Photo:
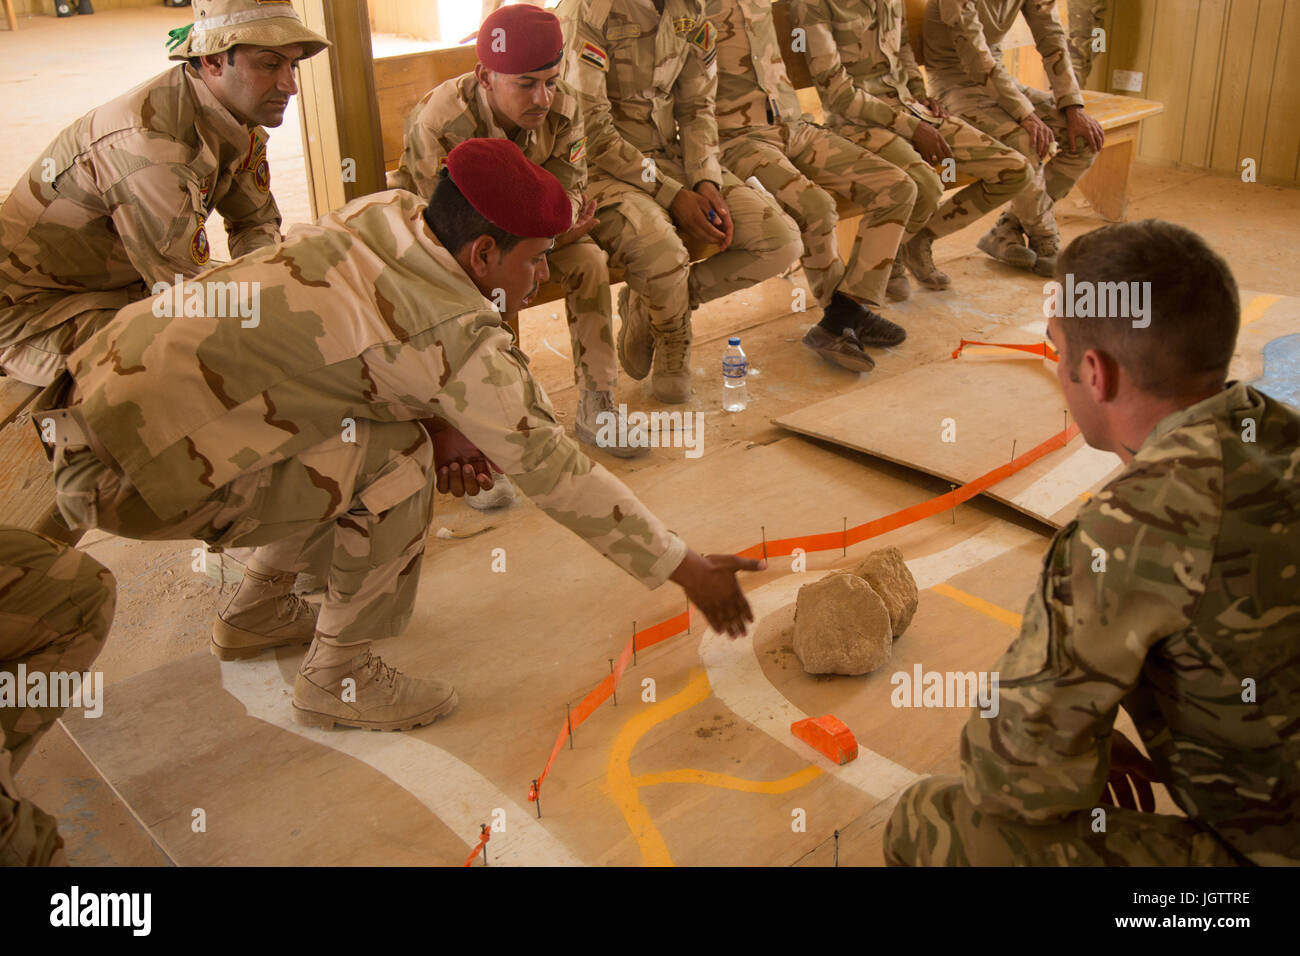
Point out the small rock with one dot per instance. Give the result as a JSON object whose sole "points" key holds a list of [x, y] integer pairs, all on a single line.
{"points": [[888, 576], [841, 626]]}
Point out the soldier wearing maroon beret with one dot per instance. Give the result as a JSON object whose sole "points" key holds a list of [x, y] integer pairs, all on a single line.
{"points": [[378, 369], [515, 94]]}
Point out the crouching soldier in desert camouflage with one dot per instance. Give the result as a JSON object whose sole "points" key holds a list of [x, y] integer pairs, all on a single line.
{"points": [[56, 605], [308, 424], [515, 93], [117, 203], [1173, 594]]}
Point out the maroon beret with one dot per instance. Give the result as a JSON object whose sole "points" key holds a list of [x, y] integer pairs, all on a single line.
{"points": [[520, 39], [509, 190]]}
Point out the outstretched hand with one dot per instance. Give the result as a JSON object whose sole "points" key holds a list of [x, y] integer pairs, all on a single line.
{"points": [[710, 583]]}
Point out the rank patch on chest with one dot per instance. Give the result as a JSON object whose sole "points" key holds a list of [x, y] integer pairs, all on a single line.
{"points": [[578, 150], [199, 250], [627, 31], [594, 56], [683, 24], [706, 38]]}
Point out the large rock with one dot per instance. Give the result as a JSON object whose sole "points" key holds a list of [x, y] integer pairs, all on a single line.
{"points": [[888, 576], [841, 626]]}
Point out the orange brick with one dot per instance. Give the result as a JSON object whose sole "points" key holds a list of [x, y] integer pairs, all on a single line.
{"points": [[828, 736]]}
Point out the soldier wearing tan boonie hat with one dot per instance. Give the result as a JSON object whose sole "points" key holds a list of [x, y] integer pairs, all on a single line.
{"points": [[117, 205], [221, 24]]}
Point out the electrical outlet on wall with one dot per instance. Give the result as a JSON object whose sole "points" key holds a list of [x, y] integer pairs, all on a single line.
{"points": [[1130, 81]]}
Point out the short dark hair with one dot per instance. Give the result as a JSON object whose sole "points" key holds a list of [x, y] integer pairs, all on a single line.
{"points": [[1194, 313], [456, 223]]}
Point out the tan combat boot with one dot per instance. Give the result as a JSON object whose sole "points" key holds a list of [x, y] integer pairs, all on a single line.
{"points": [[1046, 248], [375, 697], [1006, 243], [263, 613], [672, 367], [898, 288], [601, 424], [916, 255], [635, 343]]}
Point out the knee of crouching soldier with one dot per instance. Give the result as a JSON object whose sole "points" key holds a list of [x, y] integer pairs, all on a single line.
{"points": [[817, 212], [928, 188]]}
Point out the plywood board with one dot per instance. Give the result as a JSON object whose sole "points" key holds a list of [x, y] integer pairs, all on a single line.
{"points": [[196, 734], [961, 419]]}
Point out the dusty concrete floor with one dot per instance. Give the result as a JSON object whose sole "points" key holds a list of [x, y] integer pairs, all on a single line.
{"points": [[164, 610]]}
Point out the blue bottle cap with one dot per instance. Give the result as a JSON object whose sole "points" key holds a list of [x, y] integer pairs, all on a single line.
{"points": [[734, 340]]}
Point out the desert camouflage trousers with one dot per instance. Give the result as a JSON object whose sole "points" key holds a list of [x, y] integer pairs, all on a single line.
{"points": [[56, 606], [1000, 173], [1085, 16], [641, 239], [583, 273], [806, 167], [39, 333], [935, 824], [1051, 180], [373, 495]]}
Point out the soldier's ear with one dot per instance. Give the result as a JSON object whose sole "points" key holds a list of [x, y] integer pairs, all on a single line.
{"points": [[484, 76], [483, 256]]}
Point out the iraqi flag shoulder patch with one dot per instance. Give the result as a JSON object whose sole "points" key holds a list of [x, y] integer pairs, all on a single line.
{"points": [[706, 38], [595, 56]]}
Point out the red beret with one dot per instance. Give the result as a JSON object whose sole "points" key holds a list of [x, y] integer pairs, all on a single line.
{"points": [[508, 190], [520, 39]]}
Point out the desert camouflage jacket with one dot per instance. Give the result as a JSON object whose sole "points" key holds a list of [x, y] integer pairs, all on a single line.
{"points": [[753, 88], [647, 84], [119, 199], [963, 46], [457, 110], [858, 51], [363, 315], [1176, 594]]}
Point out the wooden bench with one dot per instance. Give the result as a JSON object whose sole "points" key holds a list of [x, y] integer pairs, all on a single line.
{"points": [[401, 81]]}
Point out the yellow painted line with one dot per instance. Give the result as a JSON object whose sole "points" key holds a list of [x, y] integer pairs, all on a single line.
{"points": [[978, 604], [711, 779], [621, 786], [1256, 308]]}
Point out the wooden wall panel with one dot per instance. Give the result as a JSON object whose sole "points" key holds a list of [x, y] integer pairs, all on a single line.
{"points": [[1228, 72]]}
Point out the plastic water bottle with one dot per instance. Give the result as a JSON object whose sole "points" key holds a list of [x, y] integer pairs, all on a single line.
{"points": [[734, 368]]}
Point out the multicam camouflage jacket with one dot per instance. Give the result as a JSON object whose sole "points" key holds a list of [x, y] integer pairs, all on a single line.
{"points": [[753, 87], [457, 110], [858, 52], [119, 199], [363, 315], [1175, 593], [647, 83], [963, 47]]}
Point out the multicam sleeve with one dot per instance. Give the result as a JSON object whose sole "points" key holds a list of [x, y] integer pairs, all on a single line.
{"points": [[1116, 582], [840, 93], [963, 22], [158, 212], [491, 397], [1051, 42], [694, 102], [587, 63]]}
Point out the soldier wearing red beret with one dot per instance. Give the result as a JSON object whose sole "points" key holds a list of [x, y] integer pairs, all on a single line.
{"points": [[379, 369]]}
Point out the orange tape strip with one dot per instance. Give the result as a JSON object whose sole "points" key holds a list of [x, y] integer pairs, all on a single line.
{"points": [[819, 542]]}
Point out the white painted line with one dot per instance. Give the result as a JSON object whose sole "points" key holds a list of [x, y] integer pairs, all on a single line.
{"points": [[452, 790], [1077, 473], [738, 680]]}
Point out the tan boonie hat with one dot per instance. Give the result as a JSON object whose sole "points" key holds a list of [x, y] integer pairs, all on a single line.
{"points": [[220, 24]]}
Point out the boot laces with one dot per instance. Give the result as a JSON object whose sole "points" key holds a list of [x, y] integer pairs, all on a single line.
{"points": [[675, 347], [294, 605], [921, 250], [382, 672]]}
